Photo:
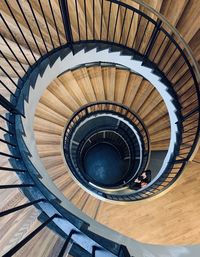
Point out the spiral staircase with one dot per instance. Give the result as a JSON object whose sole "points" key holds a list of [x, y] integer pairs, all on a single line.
{"points": [[80, 75]]}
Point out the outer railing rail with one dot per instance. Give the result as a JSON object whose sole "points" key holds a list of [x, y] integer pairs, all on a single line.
{"points": [[20, 54], [161, 47], [112, 22], [119, 24]]}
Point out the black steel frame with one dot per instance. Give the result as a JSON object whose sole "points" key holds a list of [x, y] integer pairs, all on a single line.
{"points": [[160, 28], [189, 118], [104, 107]]}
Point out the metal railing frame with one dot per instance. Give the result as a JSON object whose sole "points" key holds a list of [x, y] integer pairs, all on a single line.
{"points": [[177, 165], [98, 108]]}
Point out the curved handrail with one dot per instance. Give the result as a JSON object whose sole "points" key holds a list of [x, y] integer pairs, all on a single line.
{"points": [[107, 30], [192, 64], [11, 104], [160, 25], [106, 106], [175, 32]]}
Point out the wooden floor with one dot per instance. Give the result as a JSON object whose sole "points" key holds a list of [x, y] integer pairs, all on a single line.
{"points": [[170, 219], [16, 226]]}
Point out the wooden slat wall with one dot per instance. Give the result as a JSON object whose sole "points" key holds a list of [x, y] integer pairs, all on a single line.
{"points": [[17, 227], [13, 228], [48, 242]]}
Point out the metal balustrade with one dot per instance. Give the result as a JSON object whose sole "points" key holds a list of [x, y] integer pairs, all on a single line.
{"points": [[73, 151], [155, 40]]}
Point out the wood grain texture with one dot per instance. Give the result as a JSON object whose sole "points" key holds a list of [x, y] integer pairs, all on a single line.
{"points": [[48, 242], [173, 218], [75, 88], [13, 228]]}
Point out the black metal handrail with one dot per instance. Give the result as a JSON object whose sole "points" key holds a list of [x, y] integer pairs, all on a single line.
{"points": [[154, 39], [106, 107], [159, 44], [158, 48], [111, 107]]}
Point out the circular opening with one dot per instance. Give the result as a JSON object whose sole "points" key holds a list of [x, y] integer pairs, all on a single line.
{"points": [[103, 163], [104, 147]]}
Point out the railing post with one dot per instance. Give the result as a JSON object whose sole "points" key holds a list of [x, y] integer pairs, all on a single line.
{"points": [[196, 110], [153, 38], [123, 252], [62, 252], [8, 106], [16, 186], [24, 241], [66, 22], [23, 206]]}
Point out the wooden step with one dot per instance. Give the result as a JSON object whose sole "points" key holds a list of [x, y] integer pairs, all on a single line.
{"points": [[77, 197], [158, 115], [82, 201], [49, 161], [46, 8], [132, 89], [61, 92], [46, 113], [173, 10], [10, 83], [109, 75], [142, 95], [85, 18], [154, 99], [95, 74], [12, 68], [121, 81], [50, 99], [82, 77], [57, 171], [161, 145], [7, 178], [71, 190], [72, 86], [54, 40], [11, 198], [49, 150], [130, 24], [63, 183], [16, 51], [91, 207], [47, 126], [26, 42], [187, 26], [46, 138]]}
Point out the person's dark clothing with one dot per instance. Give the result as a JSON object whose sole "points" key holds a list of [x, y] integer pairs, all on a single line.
{"points": [[148, 178], [137, 185]]}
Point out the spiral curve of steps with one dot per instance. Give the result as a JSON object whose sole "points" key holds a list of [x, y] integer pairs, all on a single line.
{"points": [[40, 83], [72, 80]]}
